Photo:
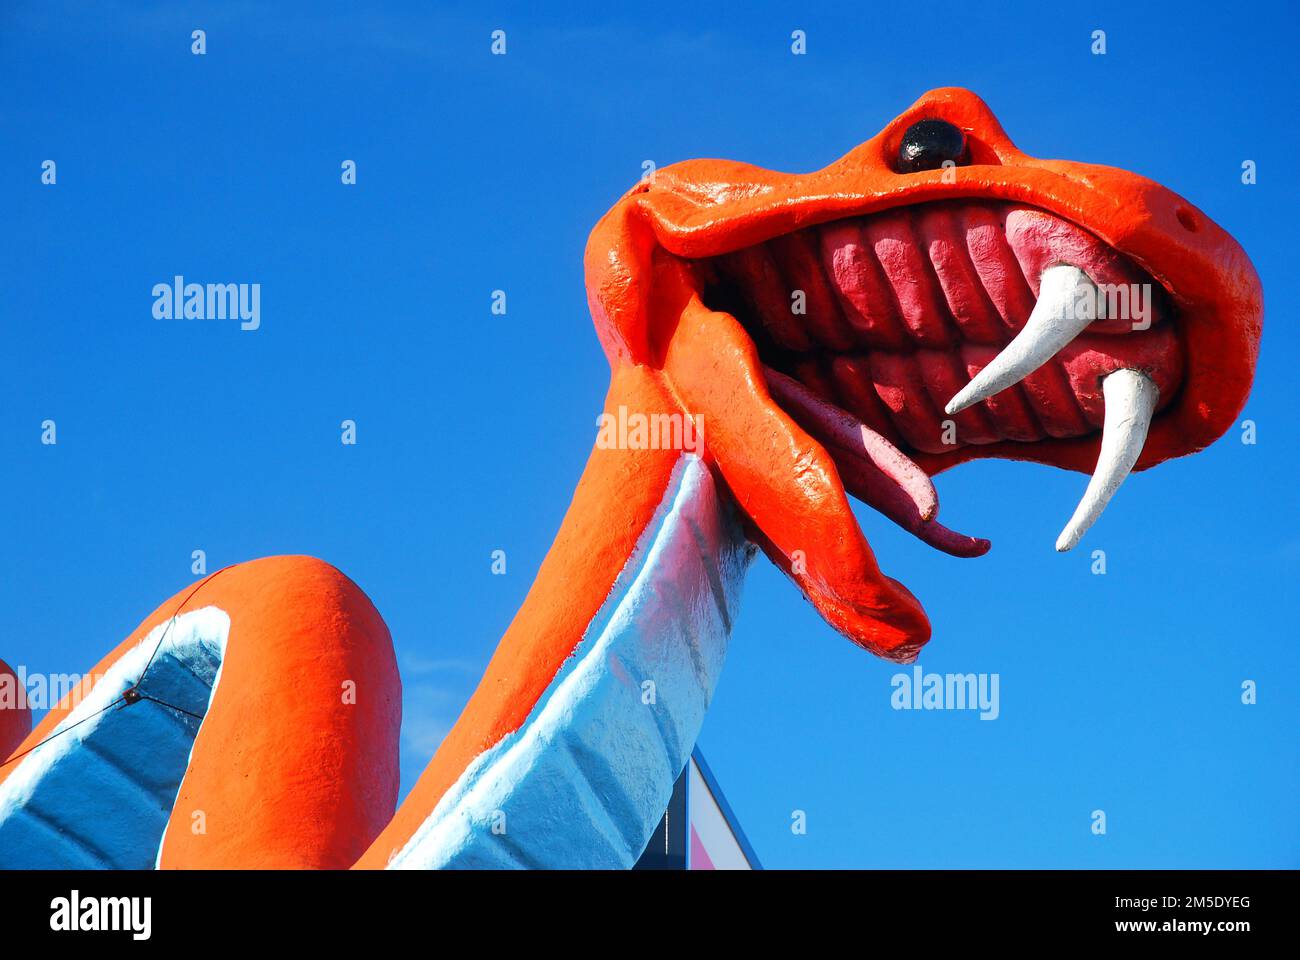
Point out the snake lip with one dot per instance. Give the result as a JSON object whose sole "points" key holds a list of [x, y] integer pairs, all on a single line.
{"points": [[670, 259]]}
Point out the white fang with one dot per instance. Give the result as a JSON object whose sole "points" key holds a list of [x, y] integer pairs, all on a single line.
{"points": [[1067, 302], [1131, 398]]}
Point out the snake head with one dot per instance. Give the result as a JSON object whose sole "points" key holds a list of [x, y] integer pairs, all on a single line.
{"points": [[933, 296]]}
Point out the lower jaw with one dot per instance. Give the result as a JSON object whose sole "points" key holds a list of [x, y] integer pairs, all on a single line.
{"points": [[902, 394]]}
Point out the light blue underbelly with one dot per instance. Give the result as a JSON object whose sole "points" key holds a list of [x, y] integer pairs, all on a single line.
{"points": [[100, 792], [586, 779]]}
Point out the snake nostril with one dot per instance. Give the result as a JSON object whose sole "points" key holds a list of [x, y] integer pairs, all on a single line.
{"points": [[929, 144], [1187, 219]]}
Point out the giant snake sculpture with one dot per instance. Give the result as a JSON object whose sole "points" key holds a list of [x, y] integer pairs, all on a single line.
{"points": [[932, 297]]}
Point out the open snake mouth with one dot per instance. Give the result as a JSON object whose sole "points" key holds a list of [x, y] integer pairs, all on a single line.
{"points": [[934, 296], [939, 325]]}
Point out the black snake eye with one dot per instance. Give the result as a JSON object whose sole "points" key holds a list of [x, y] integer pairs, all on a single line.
{"points": [[929, 144]]}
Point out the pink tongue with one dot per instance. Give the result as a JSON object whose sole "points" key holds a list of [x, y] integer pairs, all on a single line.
{"points": [[861, 479], [854, 436], [873, 469]]}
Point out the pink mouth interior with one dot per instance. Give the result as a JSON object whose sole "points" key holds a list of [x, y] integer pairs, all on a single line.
{"points": [[902, 308], [905, 306]]}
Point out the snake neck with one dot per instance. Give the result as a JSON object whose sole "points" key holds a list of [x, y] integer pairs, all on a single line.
{"points": [[567, 751]]}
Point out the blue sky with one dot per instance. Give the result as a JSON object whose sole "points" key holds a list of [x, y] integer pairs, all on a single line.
{"points": [[1118, 692]]}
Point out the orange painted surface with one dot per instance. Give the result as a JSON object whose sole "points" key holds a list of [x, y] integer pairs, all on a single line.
{"points": [[788, 486], [615, 500], [702, 208], [668, 352], [647, 312], [286, 773]]}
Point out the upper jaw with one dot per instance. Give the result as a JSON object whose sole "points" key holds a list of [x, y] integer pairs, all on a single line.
{"points": [[647, 310], [703, 208]]}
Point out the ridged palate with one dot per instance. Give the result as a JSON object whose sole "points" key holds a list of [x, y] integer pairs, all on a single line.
{"points": [[903, 307]]}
